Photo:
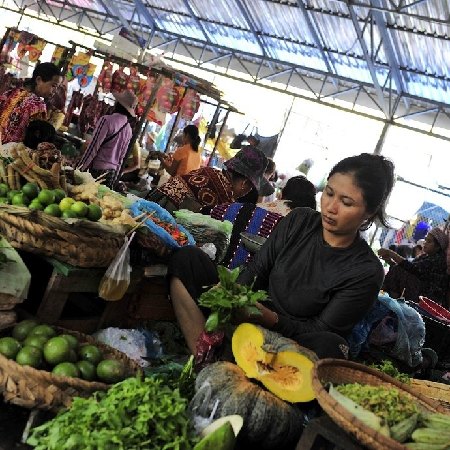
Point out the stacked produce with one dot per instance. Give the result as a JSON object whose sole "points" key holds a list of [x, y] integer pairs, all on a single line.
{"points": [[51, 201], [395, 415], [41, 167], [41, 347]]}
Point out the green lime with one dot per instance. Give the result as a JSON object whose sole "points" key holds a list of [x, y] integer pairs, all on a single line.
{"points": [[66, 369], [80, 209], [23, 329], [68, 214], [110, 371], [20, 200], [29, 356], [43, 330], [94, 213], [90, 353], [3, 189], [9, 347], [12, 193], [66, 203], [59, 195], [36, 205], [72, 340], [53, 210], [31, 190], [56, 350], [46, 197], [87, 370], [36, 341]]}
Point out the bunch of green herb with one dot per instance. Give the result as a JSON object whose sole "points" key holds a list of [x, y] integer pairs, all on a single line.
{"points": [[390, 405], [388, 368], [228, 296], [134, 414]]}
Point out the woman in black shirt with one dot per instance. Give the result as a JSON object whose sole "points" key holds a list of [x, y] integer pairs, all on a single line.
{"points": [[320, 275]]}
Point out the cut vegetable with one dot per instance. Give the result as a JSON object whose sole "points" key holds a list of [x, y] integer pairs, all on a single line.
{"points": [[236, 422]]}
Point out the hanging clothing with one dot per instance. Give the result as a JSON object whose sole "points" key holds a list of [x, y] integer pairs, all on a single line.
{"points": [[18, 107], [268, 145], [189, 159], [203, 187]]}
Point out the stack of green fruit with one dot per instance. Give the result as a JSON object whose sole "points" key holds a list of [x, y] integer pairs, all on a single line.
{"points": [[52, 201], [433, 434], [40, 346]]}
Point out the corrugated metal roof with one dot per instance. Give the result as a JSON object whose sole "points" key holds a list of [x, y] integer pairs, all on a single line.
{"points": [[322, 35]]}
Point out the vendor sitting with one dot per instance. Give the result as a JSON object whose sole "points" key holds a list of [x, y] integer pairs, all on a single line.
{"points": [[425, 275], [320, 275], [208, 187], [37, 131]]}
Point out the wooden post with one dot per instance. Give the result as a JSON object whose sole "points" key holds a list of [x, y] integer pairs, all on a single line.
{"points": [[175, 124], [213, 153]]}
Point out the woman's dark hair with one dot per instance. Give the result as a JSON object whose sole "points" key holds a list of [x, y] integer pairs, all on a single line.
{"points": [[270, 166], [118, 108], [374, 175], [38, 131], [44, 70], [299, 192], [191, 131]]}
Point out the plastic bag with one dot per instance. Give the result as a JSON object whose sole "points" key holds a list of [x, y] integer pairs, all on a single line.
{"points": [[131, 342], [210, 250], [116, 280]]}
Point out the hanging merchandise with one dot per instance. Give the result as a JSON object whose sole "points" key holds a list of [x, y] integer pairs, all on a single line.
{"points": [[190, 105], [167, 96], [85, 79], [105, 78], [59, 55], [78, 66], [11, 41], [145, 91], [134, 80], [35, 49], [119, 80], [180, 90], [25, 40]]}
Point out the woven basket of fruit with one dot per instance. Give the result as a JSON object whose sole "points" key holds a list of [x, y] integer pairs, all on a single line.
{"points": [[44, 367], [379, 411], [81, 243]]}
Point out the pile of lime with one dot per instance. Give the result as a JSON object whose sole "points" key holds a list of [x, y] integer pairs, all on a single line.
{"points": [[52, 201], [39, 346]]}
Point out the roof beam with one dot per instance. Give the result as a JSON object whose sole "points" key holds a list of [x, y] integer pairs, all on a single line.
{"points": [[315, 32], [390, 53], [370, 63], [198, 22], [251, 26]]}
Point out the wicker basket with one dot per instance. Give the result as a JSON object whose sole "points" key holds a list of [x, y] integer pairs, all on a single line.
{"points": [[437, 391], [153, 244], [341, 371], [31, 388], [81, 243]]}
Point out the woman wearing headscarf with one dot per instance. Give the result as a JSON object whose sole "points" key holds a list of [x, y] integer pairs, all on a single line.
{"points": [[204, 188], [426, 275]]}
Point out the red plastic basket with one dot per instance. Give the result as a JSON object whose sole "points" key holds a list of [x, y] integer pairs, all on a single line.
{"points": [[436, 310]]}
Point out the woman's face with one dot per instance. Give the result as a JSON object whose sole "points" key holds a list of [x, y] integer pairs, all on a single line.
{"points": [[343, 207], [430, 247], [46, 89]]}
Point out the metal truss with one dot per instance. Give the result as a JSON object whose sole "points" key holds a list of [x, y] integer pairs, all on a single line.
{"points": [[389, 100]]}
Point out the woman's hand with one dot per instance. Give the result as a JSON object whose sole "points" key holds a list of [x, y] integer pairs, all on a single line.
{"points": [[389, 256], [266, 318]]}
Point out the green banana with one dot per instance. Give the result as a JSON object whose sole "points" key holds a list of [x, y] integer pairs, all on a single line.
{"points": [[431, 436], [402, 431]]}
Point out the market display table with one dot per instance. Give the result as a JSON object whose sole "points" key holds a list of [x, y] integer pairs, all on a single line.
{"points": [[65, 280]]}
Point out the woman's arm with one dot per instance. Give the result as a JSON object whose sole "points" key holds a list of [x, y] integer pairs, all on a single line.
{"points": [[390, 256], [168, 163]]}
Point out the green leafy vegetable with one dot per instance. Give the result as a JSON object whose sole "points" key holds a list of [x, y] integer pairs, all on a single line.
{"points": [[228, 296], [134, 414], [388, 368], [390, 405]]}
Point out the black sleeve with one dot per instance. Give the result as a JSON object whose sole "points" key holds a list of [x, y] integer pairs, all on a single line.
{"points": [[260, 266], [346, 308], [432, 269]]}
